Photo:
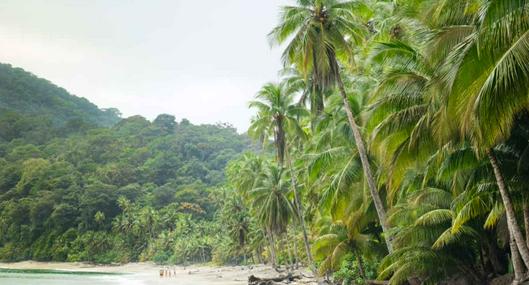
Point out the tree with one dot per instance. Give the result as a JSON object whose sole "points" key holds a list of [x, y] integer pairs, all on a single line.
{"points": [[322, 34], [272, 205], [489, 83], [276, 114]]}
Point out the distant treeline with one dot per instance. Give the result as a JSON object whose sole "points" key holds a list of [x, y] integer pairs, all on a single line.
{"points": [[139, 190]]}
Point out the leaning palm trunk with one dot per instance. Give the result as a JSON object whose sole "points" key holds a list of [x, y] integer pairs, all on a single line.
{"points": [[299, 210], [516, 261], [526, 221], [379, 206], [514, 228]]}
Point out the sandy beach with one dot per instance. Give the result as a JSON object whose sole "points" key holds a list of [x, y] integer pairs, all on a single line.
{"points": [[147, 273]]}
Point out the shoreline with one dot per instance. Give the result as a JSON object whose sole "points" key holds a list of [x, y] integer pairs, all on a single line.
{"points": [[148, 273]]}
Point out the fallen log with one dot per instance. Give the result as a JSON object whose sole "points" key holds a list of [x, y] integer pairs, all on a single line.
{"points": [[254, 280]]}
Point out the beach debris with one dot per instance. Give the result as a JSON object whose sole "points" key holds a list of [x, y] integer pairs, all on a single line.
{"points": [[253, 280]]}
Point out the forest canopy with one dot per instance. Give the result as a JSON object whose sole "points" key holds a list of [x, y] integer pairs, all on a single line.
{"points": [[74, 190], [38, 99]]}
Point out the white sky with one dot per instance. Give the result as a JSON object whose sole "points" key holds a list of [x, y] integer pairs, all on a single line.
{"points": [[201, 60]]}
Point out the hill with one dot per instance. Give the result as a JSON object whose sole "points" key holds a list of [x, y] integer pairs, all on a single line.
{"points": [[72, 190], [24, 93]]}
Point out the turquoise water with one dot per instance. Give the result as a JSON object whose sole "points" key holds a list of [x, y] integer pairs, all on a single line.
{"points": [[55, 277]]}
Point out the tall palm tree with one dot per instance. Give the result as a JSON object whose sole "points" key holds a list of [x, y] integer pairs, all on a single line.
{"points": [[489, 86], [322, 33], [277, 115]]}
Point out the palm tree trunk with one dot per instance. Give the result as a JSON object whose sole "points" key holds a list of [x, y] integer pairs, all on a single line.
{"points": [[361, 268], [492, 252], [509, 209], [286, 248], [273, 258], [296, 257], [280, 140], [377, 201], [299, 210], [526, 221], [516, 261]]}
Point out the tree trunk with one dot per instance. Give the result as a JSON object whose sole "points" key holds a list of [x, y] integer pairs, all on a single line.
{"points": [[361, 268], [296, 257], [509, 209], [492, 253], [258, 255], [299, 210], [280, 140], [271, 241], [245, 258], [286, 248], [526, 221], [377, 201], [516, 261]]}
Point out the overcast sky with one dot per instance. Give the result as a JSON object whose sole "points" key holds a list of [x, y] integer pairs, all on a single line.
{"points": [[201, 60]]}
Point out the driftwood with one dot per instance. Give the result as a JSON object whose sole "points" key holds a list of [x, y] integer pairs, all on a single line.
{"points": [[253, 280]]}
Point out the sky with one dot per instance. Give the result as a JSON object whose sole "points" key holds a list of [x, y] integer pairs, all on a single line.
{"points": [[200, 60]]}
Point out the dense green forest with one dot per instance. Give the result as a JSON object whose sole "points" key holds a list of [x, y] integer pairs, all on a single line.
{"points": [[394, 146], [139, 190]]}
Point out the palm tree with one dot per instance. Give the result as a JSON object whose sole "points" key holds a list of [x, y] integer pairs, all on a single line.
{"points": [[404, 105], [271, 202], [322, 32], [313, 95], [244, 173], [277, 115], [489, 86], [340, 237]]}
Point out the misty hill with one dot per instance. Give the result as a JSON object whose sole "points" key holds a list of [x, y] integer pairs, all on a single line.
{"points": [[24, 93]]}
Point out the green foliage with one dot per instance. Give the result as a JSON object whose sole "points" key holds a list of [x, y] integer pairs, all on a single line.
{"points": [[29, 106], [349, 273], [432, 85], [111, 194]]}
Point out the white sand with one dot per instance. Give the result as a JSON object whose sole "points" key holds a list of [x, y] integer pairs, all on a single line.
{"points": [[148, 273]]}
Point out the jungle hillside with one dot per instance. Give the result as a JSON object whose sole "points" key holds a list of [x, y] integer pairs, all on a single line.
{"points": [[81, 184]]}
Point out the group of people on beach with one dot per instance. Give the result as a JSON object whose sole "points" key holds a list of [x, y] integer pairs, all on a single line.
{"points": [[167, 272]]}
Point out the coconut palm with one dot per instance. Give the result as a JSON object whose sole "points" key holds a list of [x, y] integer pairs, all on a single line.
{"points": [[276, 114], [272, 204], [322, 34], [489, 86], [340, 237], [244, 173]]}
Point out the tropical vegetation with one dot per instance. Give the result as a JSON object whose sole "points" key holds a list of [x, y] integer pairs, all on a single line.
{"points": [[394, 145], [409, 161]]}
